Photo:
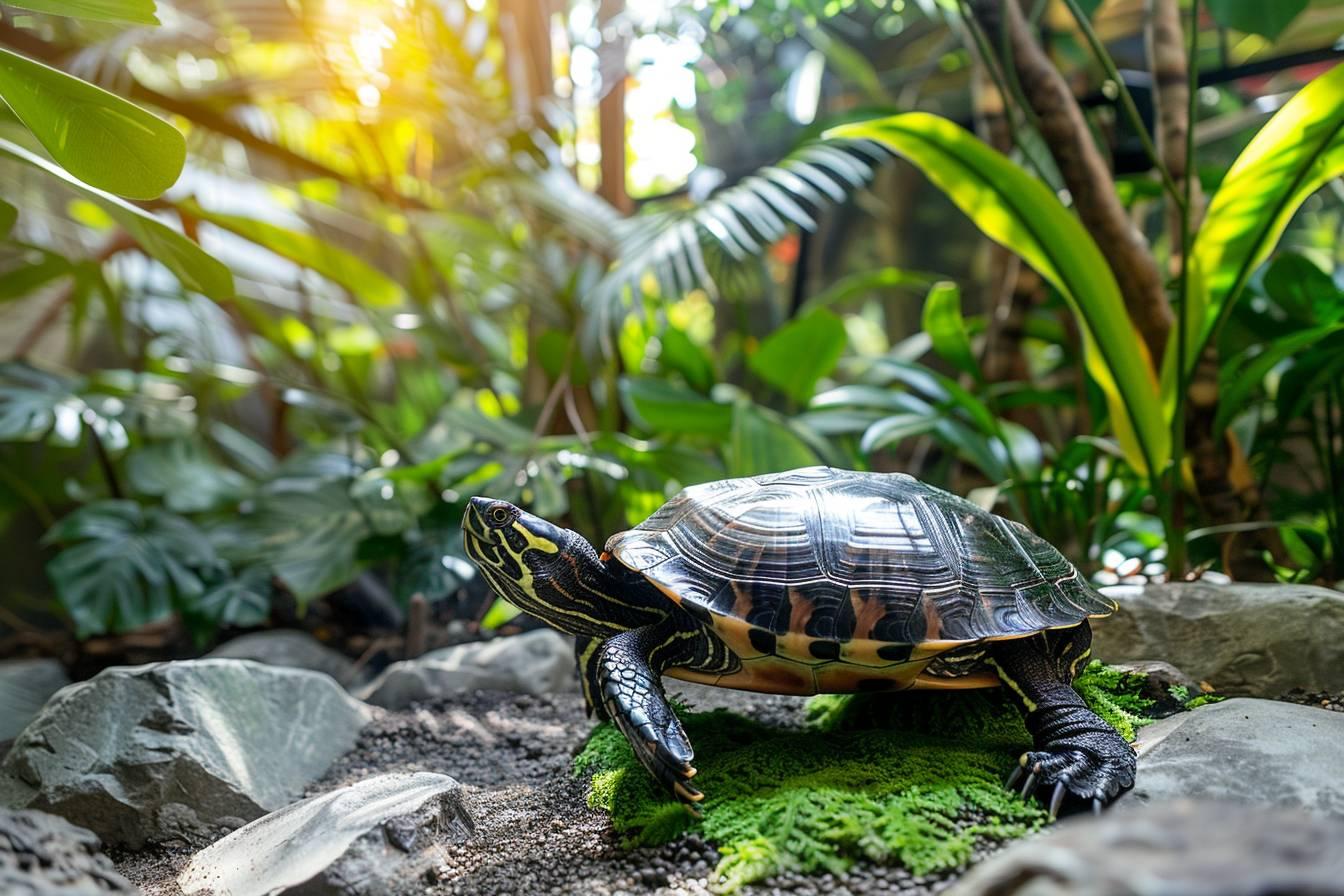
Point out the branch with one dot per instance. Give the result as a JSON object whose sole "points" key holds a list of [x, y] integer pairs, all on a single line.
{"points": [[1084, 171], [1171, 96]]}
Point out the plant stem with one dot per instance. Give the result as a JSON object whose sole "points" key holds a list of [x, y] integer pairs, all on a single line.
{"points": [[1126, 101], [104, 461], [1330, 459], [1175, 522]]}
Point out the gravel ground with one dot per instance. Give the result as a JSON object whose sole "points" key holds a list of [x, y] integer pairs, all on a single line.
{"points": [[535, 833], [1332, 702]]}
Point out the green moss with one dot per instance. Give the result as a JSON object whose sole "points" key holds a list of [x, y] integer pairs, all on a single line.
{"points": [[1203, 700], [914, 779], [1114, 695]]}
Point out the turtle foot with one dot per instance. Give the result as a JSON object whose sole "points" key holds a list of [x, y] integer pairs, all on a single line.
{"points": [[1089, 771], [655, 733]]}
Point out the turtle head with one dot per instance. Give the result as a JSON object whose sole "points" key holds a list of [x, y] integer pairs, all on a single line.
{"points": [[552, 573]]}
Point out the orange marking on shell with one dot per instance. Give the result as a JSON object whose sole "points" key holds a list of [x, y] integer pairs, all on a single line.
{"points": [[742, 601], [801, 613], [933, 622], [868, 612]]}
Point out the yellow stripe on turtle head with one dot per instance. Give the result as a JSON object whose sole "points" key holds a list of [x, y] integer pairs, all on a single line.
{"points": [[534, 541]]}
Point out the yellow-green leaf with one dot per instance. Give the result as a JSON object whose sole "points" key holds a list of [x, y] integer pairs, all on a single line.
{"points": [[1297, 152], [1019, 212], [8, 216], [366, 283], [98, 137], [947, 328], [137, 12], [189, 262]]}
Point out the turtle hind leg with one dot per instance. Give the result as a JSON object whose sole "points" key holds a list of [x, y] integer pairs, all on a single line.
{"points": [[1077, 754], [627, 673]]}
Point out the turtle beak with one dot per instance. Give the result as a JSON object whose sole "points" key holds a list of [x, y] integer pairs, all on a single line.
{"points": [[473, 521]]}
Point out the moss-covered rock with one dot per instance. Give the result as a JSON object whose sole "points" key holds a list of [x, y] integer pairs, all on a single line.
{"points": [[914, 779]]}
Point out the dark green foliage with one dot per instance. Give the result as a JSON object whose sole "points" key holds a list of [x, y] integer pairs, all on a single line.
{"points": [[124, 565], [428, 299]]}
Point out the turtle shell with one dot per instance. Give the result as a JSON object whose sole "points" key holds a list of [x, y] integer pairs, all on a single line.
{"points": [[876, 570]]}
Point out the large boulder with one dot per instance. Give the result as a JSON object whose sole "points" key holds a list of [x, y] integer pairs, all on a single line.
{"points": [[374, 837], [42, 855], [1253, 640], [1250, 751], [290, 648], [1183, 848], [25, 686], [177, 750], [538, 662]]}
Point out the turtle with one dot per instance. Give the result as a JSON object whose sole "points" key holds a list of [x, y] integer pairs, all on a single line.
{"points": [[816, 580]]}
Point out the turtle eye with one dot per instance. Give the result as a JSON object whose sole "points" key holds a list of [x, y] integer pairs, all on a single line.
{"points": [[499, 514]]}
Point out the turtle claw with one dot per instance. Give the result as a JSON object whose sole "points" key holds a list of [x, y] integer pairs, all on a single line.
{"points": [[1056, 799], [1014, 777], [1030, 786], [1063, 774]]}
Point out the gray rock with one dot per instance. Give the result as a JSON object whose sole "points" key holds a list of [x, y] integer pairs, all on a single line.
{"points": [[287, 647], [25, 686], [537, 662], [1253, 640], [169, 750], [360, 839], [1184, 848], [1250, 751], [42, 855]]}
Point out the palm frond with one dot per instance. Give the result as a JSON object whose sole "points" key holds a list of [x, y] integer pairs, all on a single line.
{"points": [[742, 220]]}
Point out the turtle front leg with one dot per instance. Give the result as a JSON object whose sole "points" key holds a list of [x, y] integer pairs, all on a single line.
{"points": [[626, 673], [1077, 753]]}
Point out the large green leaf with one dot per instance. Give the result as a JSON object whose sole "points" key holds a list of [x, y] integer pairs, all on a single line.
{"points": [[123, 566], [365, 282], [37, 405], [667, 408], [183, 475], [97, 136], [241, 601], [1297, 152], [762, 442], [947, 328], [1266, 18], [1021, 213], [1306, 293], [306, 529], [137, 12], [189, 262], [798, 354]]}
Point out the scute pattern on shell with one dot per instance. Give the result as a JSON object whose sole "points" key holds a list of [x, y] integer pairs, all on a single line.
{"points": [[846, 556]]}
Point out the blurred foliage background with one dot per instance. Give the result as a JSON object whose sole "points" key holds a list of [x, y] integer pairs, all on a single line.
{"points": [[283, 282]]}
